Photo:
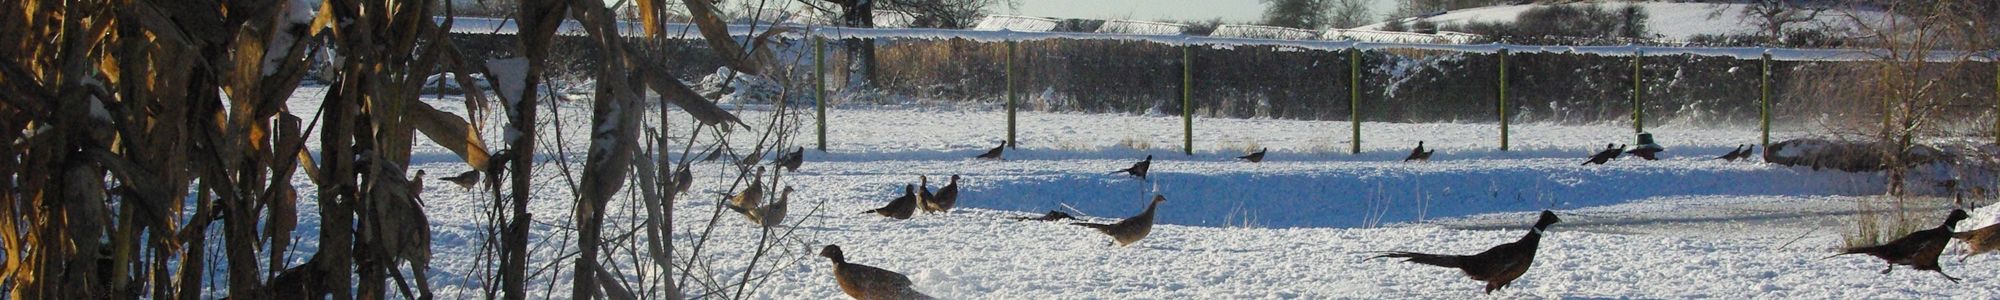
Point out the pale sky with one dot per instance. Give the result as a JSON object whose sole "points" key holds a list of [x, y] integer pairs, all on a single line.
{"points": [[1233, 11]]}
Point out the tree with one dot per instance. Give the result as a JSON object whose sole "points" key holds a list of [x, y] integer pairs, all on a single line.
{"points": [[1567, 23], [1632, 22], [945, 13], [1771, 16], [1412, 8], [1425, 26], [860, 52], [1308, 14], [1394, 24], [1349, 14], [1910, 78]]}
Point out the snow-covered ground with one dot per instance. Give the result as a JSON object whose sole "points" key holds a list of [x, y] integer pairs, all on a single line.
{"points": [[1299, 225], [1672, 20]]}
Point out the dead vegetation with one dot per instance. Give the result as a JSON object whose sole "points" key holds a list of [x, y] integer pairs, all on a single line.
{"points": [[140, 135]]}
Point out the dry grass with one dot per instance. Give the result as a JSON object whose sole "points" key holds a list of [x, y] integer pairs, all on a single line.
{"points": [[1136, 143], [1328, 144], [1240, 146], [1242, 218], [1066, 144], [1883, 218]]}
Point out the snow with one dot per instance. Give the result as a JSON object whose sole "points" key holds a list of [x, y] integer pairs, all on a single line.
{"points": [[511, 74], [1016, 23], [1219, 41], [1262, 32], [1019, 28], [1395, 37], [1454, 37], [894, 19], [883, 19], [480, 25], [1141, 27], [447, 82], [1670, 20], [298, 13], [740, 88], [1299, 225]]}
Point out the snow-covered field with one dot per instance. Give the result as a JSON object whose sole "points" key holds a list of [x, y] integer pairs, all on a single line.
{"points": [[1299, 225], [1671, 20]]}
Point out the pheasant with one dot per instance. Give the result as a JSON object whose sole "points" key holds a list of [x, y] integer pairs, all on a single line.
{"points": [[1604, 156], [1746, 153], [1919, 250], [398, 227], [1979, 241], [299, 282], [1051, 216], [466, 180], [1419, 154], [901, 207], [1731, 156], [865, 282], [417, 185], [1256, 156], [995, 153], [946, 198], [752, 195], [770, 215], [1498, 266], [791, 161], [713, 155], [683, 179], [1131, 229], [924, 195], [1138, 168]]}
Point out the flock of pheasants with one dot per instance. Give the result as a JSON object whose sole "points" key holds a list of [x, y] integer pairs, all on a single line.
{"points": [[1497, 266]]}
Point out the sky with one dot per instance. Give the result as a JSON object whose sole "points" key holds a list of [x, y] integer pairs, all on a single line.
{"points": [[1232, 11]]}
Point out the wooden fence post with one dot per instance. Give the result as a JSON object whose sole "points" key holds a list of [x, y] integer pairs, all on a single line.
{"points": [[1502, 100], [1187, 99], [1638, 94], [1354, 97], [1012, 104], [1764, 97], [819, 86]]}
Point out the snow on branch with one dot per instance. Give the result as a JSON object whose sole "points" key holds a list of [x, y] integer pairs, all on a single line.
{"points": [[1016, 23], [1141, 27]]}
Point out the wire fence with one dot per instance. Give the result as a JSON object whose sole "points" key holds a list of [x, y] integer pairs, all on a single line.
{"points": [[1225, 77]]}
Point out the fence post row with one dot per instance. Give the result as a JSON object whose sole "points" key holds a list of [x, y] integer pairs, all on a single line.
{"points": [[1187, 99], [1011, 97], [1354, 97], [1501, 101], [819, 86], [1764, 100], [1638, 92]]}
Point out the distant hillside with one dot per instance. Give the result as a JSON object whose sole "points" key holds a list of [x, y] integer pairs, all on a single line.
{"points": [[1676, 21]]}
